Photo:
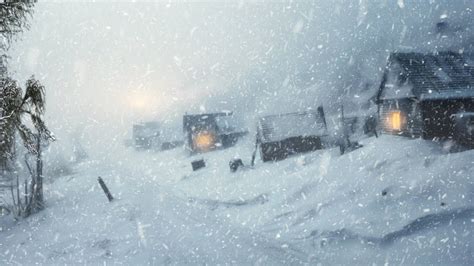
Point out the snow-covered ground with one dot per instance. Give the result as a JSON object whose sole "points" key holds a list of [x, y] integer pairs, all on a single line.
{"points": [[395, 200]]}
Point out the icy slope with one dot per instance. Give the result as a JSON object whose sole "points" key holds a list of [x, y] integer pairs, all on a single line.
{"points": [[399, 200], [394, 200]]}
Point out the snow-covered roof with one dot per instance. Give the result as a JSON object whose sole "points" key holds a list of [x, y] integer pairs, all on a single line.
{"points": [[430, 76], [202, 120], [283, 126], [223, 122]]}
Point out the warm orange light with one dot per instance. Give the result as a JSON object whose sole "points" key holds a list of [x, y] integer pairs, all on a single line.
{"points": [[138, 101], [141, 102], [204, 141], [396, 120]]}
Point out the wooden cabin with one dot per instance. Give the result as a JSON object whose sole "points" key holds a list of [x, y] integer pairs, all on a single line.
{"points": [[422, 94], [206, 132], [282, 135]]}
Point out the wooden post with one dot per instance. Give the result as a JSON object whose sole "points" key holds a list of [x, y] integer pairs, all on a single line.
{"points": [[105, 189], [254, 153]]}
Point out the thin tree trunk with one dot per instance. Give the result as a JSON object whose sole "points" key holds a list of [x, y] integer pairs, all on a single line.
{"points": [[18, 193], [39, 174], [26, 192]]}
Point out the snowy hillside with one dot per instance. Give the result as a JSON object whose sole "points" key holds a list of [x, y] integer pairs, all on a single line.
{"points": [[393, 201]]}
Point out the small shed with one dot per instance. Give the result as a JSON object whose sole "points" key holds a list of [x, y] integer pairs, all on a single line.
{"points": [[146, 135], [206, 132], [282, 135], [420, 95]]}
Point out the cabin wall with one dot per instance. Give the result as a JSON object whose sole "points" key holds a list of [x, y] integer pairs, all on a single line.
{"points": [[437, 116], [283, 135], [464, 128], [279, 150], [411, 119], [428, 119]]}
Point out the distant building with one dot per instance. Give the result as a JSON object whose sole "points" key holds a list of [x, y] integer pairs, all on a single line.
{"points": [[206, 132], [146, 135], [282, 135], [428, 95], [153, 135]]}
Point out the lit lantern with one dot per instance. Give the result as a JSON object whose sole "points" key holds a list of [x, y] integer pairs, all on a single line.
{"points": [[204, 141]]}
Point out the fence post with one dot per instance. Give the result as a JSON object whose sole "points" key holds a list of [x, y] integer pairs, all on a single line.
{"points": [[105, 189]]}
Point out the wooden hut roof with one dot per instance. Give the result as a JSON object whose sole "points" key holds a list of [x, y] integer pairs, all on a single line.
{"points": [[441, 75], [283, 126]]}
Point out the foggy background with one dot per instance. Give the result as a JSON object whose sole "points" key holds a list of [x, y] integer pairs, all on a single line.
{"points": [[108, 65]]}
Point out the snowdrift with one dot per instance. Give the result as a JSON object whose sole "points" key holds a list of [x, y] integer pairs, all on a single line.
{"points": [[395, 200]]}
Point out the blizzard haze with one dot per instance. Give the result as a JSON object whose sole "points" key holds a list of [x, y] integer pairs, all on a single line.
{"points": [[372, 187], [107, 65]]}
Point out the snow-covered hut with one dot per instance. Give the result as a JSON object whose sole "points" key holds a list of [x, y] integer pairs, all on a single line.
{"points": [[422, 95], [206, 132], [146, 135], [282, 135]]}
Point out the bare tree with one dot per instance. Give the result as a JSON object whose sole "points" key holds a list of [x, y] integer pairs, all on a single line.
{"points": [[13, 19], [19, 106], [10, 99], [15, 107]]}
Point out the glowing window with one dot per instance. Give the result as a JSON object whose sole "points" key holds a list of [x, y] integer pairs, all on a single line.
{"points": [[395, 120], [204, 141]]}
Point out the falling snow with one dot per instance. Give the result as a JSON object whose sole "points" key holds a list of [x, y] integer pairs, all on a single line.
{"points": [[363, 196]]}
